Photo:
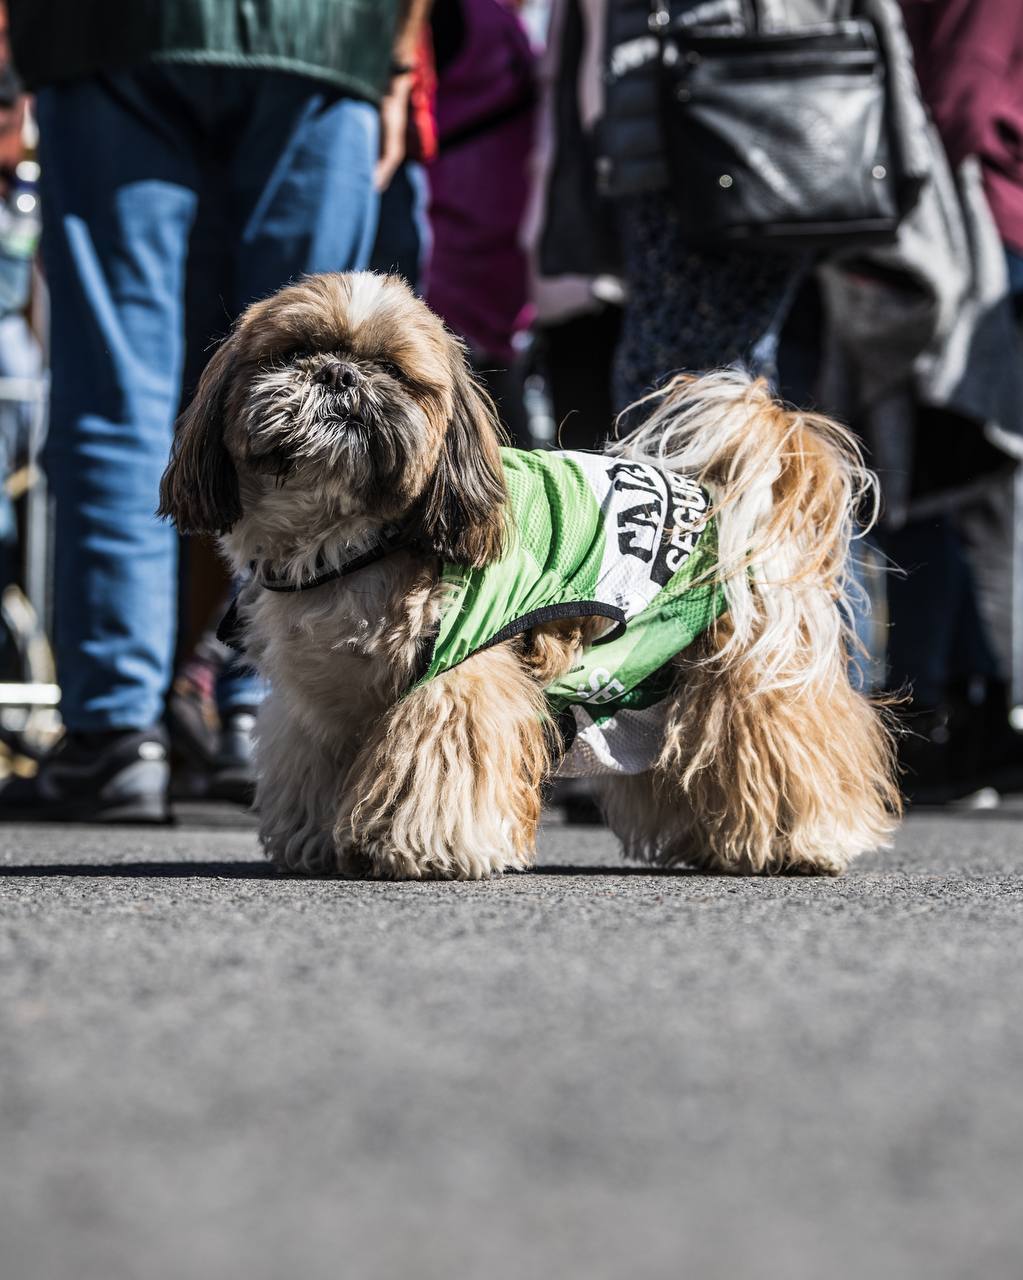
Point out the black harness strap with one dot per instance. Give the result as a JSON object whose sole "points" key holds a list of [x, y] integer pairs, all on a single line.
{"points": [[393, 539]]}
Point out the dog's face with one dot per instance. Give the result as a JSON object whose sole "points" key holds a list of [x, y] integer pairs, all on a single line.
{"points": [[340, 397]]}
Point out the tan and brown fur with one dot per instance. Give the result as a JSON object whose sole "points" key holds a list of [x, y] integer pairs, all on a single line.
{"points": [[771, 761]]}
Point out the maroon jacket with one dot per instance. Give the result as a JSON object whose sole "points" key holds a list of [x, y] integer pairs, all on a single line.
{"points": [[969, 56]]}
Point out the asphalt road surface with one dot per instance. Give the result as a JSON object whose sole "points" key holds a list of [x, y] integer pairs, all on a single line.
{"points": [[588, 1071]]}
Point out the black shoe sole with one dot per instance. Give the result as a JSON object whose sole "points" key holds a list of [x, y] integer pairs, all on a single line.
{"points": [[140, 811]]}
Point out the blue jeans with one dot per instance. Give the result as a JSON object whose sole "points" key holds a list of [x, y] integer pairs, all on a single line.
{"points": [[172, 197], [403, 233]]}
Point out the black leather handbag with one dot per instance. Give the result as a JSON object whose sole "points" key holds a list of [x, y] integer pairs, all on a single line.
{"points": [[783, 139]]}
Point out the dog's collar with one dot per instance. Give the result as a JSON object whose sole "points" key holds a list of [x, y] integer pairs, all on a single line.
{"points": [[392, 538]]}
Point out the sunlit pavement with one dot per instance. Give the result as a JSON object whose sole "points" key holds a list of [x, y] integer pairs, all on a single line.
{"points": [[209, 1072]]}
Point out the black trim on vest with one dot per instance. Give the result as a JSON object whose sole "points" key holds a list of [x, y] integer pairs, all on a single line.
{"points": [[552, 612], [548, 613]]}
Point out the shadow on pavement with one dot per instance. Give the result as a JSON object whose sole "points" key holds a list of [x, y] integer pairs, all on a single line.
{"points": [[663, 872], [248, 870], [254, 870]]}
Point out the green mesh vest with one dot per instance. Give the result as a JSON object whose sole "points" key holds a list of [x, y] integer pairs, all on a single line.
{"points": [[594, 535]]}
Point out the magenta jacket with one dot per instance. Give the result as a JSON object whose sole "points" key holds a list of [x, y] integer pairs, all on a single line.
{"points": [[969, 56], [480, 180]]}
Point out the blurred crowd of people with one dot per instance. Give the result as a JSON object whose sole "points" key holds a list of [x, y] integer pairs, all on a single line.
{"points": [[509, 159]]}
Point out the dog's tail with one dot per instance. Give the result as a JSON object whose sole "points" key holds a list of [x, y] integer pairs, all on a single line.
{"points": [[786, 488]]}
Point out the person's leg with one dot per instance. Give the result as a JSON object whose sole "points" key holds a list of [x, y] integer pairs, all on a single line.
{"points": [[576, 356], [693, 309], [933, 623], [1014, 267], [118, 201], [925, 597], [402, 245], [984, 527], [1014, 694], [504, 382], [302, 187]]}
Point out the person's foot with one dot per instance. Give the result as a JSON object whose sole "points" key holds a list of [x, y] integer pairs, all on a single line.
{"points": [[193, 722], [940, 761], [119, 775], [1001, 739], [234, 772]]}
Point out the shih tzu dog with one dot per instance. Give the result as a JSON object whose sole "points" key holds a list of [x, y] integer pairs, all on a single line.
{"points": [[446, 624]]}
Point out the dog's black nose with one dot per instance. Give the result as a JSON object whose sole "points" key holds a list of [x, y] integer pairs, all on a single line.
{"points": [[337, 375]]}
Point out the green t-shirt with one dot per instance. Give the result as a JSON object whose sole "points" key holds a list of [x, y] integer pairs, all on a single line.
{"points": [[594, 535], [344, 43]]}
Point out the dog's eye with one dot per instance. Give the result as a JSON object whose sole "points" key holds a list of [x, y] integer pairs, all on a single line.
{"points": [[303, 353], [392, 370]]}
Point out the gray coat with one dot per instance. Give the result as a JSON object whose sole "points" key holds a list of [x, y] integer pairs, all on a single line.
{"points": [[924, 325]]}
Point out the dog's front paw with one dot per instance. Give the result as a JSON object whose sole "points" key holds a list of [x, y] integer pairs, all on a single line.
{"points": [[821, 865], [390, 862]]}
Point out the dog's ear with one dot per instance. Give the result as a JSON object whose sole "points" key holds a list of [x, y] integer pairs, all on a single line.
{"points": [[463, 515], [199, 489]]}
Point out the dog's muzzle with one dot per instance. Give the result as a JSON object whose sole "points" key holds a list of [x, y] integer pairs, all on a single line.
{"points": [[342, 380], [337, 375]]}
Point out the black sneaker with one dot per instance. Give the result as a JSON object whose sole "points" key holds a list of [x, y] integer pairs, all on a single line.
{"points": [[939, 760], [234, 773], [121, 775]]}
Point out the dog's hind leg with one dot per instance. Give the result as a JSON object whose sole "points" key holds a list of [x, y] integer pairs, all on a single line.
{"points": [[776, 762], [653, 820], [448, 785], [783, 780]]}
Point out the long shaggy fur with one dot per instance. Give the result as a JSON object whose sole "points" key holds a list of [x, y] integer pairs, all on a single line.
{"points": [[341, 406], [449, 785], [771, 760]]}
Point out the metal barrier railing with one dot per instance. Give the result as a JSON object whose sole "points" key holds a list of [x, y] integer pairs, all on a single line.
{"points": [[26, 614]]}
